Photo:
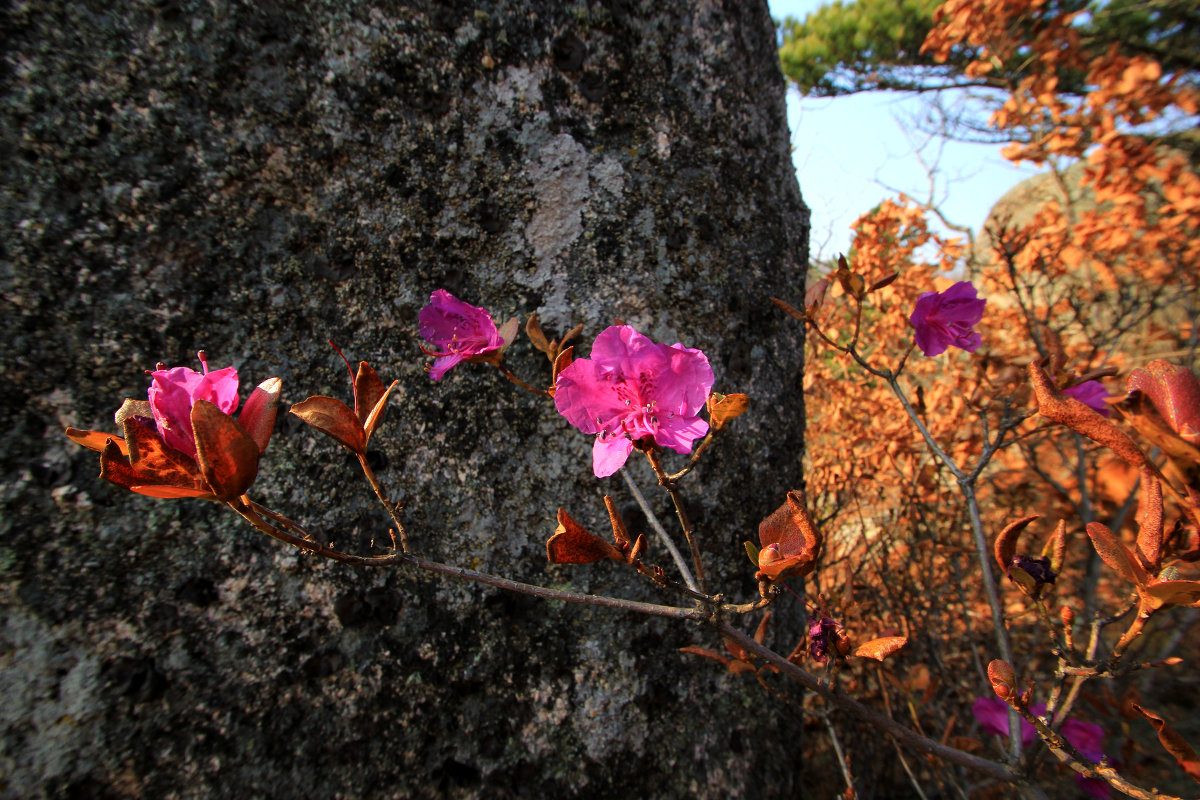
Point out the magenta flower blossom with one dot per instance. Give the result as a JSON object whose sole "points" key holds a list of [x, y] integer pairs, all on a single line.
{"points": [[633, 388], [458, 330], [992, 715], [943, 319], [1091, 394], [173, 392]]}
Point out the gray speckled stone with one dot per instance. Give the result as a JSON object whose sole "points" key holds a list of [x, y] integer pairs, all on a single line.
{"points": [[258, 178]]}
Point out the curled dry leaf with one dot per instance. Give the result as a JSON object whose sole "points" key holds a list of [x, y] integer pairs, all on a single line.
{"points": [[1173, 743], [533, 329], [146, 465], [1006, 542], [571, 543], [790, 541], [620, 532], [879, 649], [561, 362]]}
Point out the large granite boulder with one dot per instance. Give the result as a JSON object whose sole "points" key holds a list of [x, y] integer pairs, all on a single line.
{"points": [[258, 178]]}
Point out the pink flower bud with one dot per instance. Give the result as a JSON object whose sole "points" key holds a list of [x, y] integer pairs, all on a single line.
{"points": [[173, 392]]}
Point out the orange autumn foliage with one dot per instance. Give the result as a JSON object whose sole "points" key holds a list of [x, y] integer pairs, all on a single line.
{"points": [[1106, 277]]}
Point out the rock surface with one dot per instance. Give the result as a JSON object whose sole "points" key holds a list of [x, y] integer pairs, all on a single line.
{"points": [[258, 178]]}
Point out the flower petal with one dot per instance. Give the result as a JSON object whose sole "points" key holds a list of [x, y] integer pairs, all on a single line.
{"points": [[609, 454]]}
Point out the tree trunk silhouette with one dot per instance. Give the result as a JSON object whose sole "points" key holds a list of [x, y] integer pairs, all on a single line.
{"points": [[254, 179]]}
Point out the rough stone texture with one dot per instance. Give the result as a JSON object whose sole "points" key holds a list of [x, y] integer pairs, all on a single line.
{"points": [[258, 178]]}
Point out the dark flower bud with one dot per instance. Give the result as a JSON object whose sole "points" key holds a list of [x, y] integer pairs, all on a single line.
{"points": [[824, 634]]}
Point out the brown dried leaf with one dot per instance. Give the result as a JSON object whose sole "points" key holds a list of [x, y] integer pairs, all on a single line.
{"points": [[879, 649], [571, 543], [724, 407], [368, 388], [882, 282], [620, 532], [372, 421], [115, 468], [1150, 523], [571, 336], [96, 440], [153, 461], [1061, 408], [533, 329], [1114, 553], [1173, 743], [814, 297], [787, 307], [1006, 542], [1056, 546], [1175, 392], [760, 633], [696, 650], [797, 540], [1175, 593], [227, 456], [563, 361], [1145, 418], [333, 418], [636, 551], [257, 416], [736, 650]]}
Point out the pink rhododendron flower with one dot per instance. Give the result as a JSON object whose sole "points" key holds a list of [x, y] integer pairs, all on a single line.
{"points": [[1091, 394], [992, 715], [942, 319], [173, 392], [633, 388], [458, 330]]}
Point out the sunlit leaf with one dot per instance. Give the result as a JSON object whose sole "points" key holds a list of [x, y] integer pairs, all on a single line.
{"points": [[257, 416], [879, 649], [155, 462], [1175, 593], [724, 407], [1114, 553], [95, 440], [333, 418]]}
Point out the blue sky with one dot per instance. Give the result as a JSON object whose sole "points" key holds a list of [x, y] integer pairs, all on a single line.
{"points": [[845, 149]]}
